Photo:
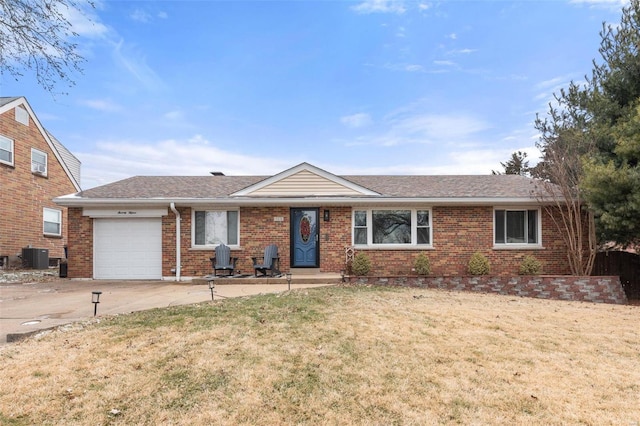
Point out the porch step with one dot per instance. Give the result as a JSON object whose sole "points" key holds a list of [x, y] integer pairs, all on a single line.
{"points": [[304, 271]]}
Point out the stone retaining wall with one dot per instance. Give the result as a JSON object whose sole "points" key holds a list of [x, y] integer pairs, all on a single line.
{"points": [[602, 289]]}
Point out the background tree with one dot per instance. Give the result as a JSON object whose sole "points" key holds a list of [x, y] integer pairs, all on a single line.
{"points": [[564, 140], [516, 165], [612, 172], [591, 147], [38, 35]]}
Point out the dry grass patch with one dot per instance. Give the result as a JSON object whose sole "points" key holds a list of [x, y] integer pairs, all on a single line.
{"points": [[347, 355]]}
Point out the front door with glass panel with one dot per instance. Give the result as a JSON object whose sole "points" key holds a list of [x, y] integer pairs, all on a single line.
{"points": [[304, 238]]}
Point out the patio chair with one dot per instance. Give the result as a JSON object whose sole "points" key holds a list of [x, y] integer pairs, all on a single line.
{"points": [[222, 261], [270, 262]]}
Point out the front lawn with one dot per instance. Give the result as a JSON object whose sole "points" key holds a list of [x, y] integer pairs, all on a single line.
{"points": [[334, 355]]}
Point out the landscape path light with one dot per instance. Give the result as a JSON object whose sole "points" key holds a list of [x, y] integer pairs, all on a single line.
{"points": [[288, 274], [95, 299], [212, 287]]}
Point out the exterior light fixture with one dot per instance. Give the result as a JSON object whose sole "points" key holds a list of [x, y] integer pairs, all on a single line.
{"points": [[95, 299], [327, 215], [212, 287], [288, 275]]}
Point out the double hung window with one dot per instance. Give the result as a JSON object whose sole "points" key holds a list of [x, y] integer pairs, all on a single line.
{"points": [[517, 226], [38, 162], [52, 219], [392, 227], [214, 227], [6, 150]]}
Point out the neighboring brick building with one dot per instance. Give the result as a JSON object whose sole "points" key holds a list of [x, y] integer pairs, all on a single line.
{"points": [[140, 227], [34, 169]]}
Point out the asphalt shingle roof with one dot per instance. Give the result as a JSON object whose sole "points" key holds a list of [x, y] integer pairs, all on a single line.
{"points": [[212, 187]]}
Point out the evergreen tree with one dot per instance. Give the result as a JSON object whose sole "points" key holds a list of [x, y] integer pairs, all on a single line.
{"points": [[612, 173], [516, 165]]}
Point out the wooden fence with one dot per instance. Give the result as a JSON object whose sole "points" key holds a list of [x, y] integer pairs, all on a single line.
{"points": [[624, 264]]}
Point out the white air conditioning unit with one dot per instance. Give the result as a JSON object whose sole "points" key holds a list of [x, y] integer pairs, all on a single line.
{"points": [[38, 168]]}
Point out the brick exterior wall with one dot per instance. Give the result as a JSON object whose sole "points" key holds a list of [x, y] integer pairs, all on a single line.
{"points": [[583, 289], [458, 232], [24, 194], [258, 229], [80, 246]]}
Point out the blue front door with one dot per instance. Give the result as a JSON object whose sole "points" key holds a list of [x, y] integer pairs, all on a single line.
{"points": [[304, 238]]}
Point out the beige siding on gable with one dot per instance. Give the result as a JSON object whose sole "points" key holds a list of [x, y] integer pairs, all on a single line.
{"points": [[304, 183]]}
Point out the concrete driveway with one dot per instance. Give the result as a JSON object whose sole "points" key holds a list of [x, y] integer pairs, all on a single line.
{"points": [[26, 308]]}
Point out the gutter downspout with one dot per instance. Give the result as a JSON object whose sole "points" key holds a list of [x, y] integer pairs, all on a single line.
{"points": [[178, 220]]}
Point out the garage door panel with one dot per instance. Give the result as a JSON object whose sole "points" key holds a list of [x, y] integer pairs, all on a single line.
{"points": [[128, 248]]}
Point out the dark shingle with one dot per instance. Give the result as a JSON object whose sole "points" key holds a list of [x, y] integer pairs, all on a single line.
{"points": [[212, 187]]}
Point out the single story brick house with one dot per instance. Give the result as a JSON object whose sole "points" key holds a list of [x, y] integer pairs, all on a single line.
{"points": [[167, 227]]}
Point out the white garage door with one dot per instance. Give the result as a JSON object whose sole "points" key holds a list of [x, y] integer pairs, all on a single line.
{"points": [[127, 249]]}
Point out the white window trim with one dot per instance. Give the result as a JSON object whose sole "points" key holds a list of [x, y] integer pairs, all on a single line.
{"points": [[46, 162], [518, 246], [13, 151], [59, 212], [193, 228], [414, 229]]}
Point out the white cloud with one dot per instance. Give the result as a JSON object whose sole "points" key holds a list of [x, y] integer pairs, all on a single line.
{"points": [[140, 16], [440, 127], [174, 115], [135, 64], [462, 51], [411, 127], [380, 6], [145, 17], [105, 105], [119, 159], [614, 4], [404, 67], [356, 120], [85, 22]]}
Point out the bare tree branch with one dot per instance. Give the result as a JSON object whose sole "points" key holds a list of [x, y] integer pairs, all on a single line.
{"points": [[38, 35]]}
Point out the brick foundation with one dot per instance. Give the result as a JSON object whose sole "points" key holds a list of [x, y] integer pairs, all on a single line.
{"points": [[584, 289]]}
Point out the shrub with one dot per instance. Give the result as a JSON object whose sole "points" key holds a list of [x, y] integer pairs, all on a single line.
{"points": [[422, 264], [361, 264], [478, 264], [348, 267], [530, 266]]}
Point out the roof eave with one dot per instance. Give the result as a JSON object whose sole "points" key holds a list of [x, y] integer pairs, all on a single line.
{"points": [[75, 201]]}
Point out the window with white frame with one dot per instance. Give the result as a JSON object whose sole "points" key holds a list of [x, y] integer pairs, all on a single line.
{"points": [[52, 219], [384, 227], [38, 162], [6, 150], [214, 227], [517, 226]]}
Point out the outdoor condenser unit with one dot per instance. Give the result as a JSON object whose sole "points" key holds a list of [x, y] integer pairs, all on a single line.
{"points": [[35, 258]]}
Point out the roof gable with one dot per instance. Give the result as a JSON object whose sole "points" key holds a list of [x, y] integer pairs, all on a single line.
{"points": [[7, 104], [304, 180]]}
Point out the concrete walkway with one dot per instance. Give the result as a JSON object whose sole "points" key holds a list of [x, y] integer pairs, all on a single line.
{"points": [[27, 308]]}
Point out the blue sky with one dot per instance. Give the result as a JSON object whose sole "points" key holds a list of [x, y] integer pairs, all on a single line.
{"points": [[353, 87]]}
